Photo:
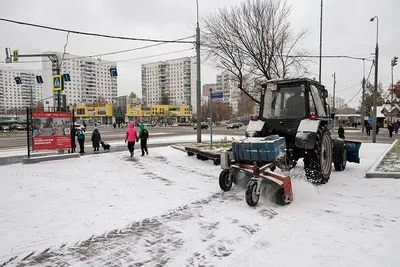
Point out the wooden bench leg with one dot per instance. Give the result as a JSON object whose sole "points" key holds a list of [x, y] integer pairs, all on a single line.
{"points": [[217, 162]]}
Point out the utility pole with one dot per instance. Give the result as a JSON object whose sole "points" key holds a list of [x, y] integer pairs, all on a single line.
{"points": [[198, 84], [334, 91], [54, 59], [320, 44], [374, 111], [363, 99], [211, 118]]}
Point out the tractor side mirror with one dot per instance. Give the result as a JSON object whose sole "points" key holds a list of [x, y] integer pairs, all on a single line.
{"points": [[333, 116]]}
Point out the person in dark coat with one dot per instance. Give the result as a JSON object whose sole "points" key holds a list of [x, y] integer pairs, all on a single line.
{"points": [[390, 128], [96, 138], [368, 128], [341, 132]]}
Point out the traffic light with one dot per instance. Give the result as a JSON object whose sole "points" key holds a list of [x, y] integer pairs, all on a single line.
{"points": [[394, 61], [18, 80]]}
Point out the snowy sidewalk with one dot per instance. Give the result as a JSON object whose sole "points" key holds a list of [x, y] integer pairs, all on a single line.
{"points": [[167, 210], [151, 141]]}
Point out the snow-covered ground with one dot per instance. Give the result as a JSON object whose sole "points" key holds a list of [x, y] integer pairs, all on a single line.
{"points": [[166, 209]]}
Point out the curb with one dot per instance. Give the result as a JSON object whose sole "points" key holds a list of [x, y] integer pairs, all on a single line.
{"points": [[179, 148], [372, 173], [118, 148], [38, 159]]}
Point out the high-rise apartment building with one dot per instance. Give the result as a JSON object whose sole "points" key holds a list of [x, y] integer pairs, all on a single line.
{"points": [[339, 102], [15, 96], [170, 82], [226, 84], [90, 79]]}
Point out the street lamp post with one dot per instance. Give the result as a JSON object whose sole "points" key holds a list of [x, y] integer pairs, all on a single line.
{"points": [[393, 63], [363, 99], [198, 84], [320, 44], [375, 96]]}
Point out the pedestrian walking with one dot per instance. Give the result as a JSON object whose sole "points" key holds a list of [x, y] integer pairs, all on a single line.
{"points": [[96, 138], [131, 137], [114, 125], [368, 128], [81, 140], [143, 136], [390, 128], [396, 127], [341, 132]]}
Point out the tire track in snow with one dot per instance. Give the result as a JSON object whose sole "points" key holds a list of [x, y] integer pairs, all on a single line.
{"points": [[158, 241]]}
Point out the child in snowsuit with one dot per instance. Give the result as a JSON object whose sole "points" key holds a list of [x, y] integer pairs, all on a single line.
{"points": [[81, 140], [143, 136]]}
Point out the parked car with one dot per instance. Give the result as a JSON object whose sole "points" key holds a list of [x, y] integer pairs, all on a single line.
{"points": [[79, 126], [18, 127], [5, 128], [204, 125], [233, 126]]}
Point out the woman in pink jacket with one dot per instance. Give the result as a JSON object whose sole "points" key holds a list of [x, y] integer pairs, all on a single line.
{"points": [[131, 137]]}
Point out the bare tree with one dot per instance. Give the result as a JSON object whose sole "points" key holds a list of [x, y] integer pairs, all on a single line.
{"points": [[254, 41], [39, 106]]}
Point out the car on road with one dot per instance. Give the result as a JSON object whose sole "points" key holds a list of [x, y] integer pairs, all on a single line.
{"points": [[79, 126], [233, 126], [18, 127], [5, 128], [204, 125]]}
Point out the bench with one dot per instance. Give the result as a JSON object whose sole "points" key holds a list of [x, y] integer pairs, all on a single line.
{"points": [[204, 155]]}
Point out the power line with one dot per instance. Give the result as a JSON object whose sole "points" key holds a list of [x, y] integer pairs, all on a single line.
{"points": [[131, 59], [103, 54], [94, 34], [330, 56], [360, 88], [348, 88], [163, 54]]}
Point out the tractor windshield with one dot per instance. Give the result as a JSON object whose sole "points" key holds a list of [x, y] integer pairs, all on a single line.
{"points": [[284, 102]]}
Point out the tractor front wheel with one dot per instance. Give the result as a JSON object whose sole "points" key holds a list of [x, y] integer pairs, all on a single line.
{"points": [[225, 180], [252, 196]]}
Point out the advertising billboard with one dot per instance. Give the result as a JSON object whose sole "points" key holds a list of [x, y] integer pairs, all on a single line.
{"points": [[51, 130]]}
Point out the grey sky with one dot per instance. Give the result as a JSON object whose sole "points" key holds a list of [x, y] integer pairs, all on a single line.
{"points": [[346, 31]]}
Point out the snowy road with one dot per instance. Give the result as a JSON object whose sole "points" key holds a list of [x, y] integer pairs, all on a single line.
{"points": [[167, 210]]}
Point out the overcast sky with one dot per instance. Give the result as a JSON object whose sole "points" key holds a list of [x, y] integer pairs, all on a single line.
{"points": [[346, 31]]}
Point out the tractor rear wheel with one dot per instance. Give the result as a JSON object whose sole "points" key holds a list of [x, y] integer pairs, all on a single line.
{"points": [[318, 161]]}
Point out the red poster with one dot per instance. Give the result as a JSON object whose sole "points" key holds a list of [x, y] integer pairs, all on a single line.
{"points": [[51, 130]]}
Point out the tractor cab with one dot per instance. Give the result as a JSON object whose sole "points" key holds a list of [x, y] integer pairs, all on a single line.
{"points": [[285, 103]]}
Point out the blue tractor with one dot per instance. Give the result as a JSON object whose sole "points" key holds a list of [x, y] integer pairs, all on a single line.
{"points": [[294, 122]]}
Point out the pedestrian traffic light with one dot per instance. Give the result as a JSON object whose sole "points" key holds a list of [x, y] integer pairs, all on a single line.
{"points": [[15, 55], [394, 61]]}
